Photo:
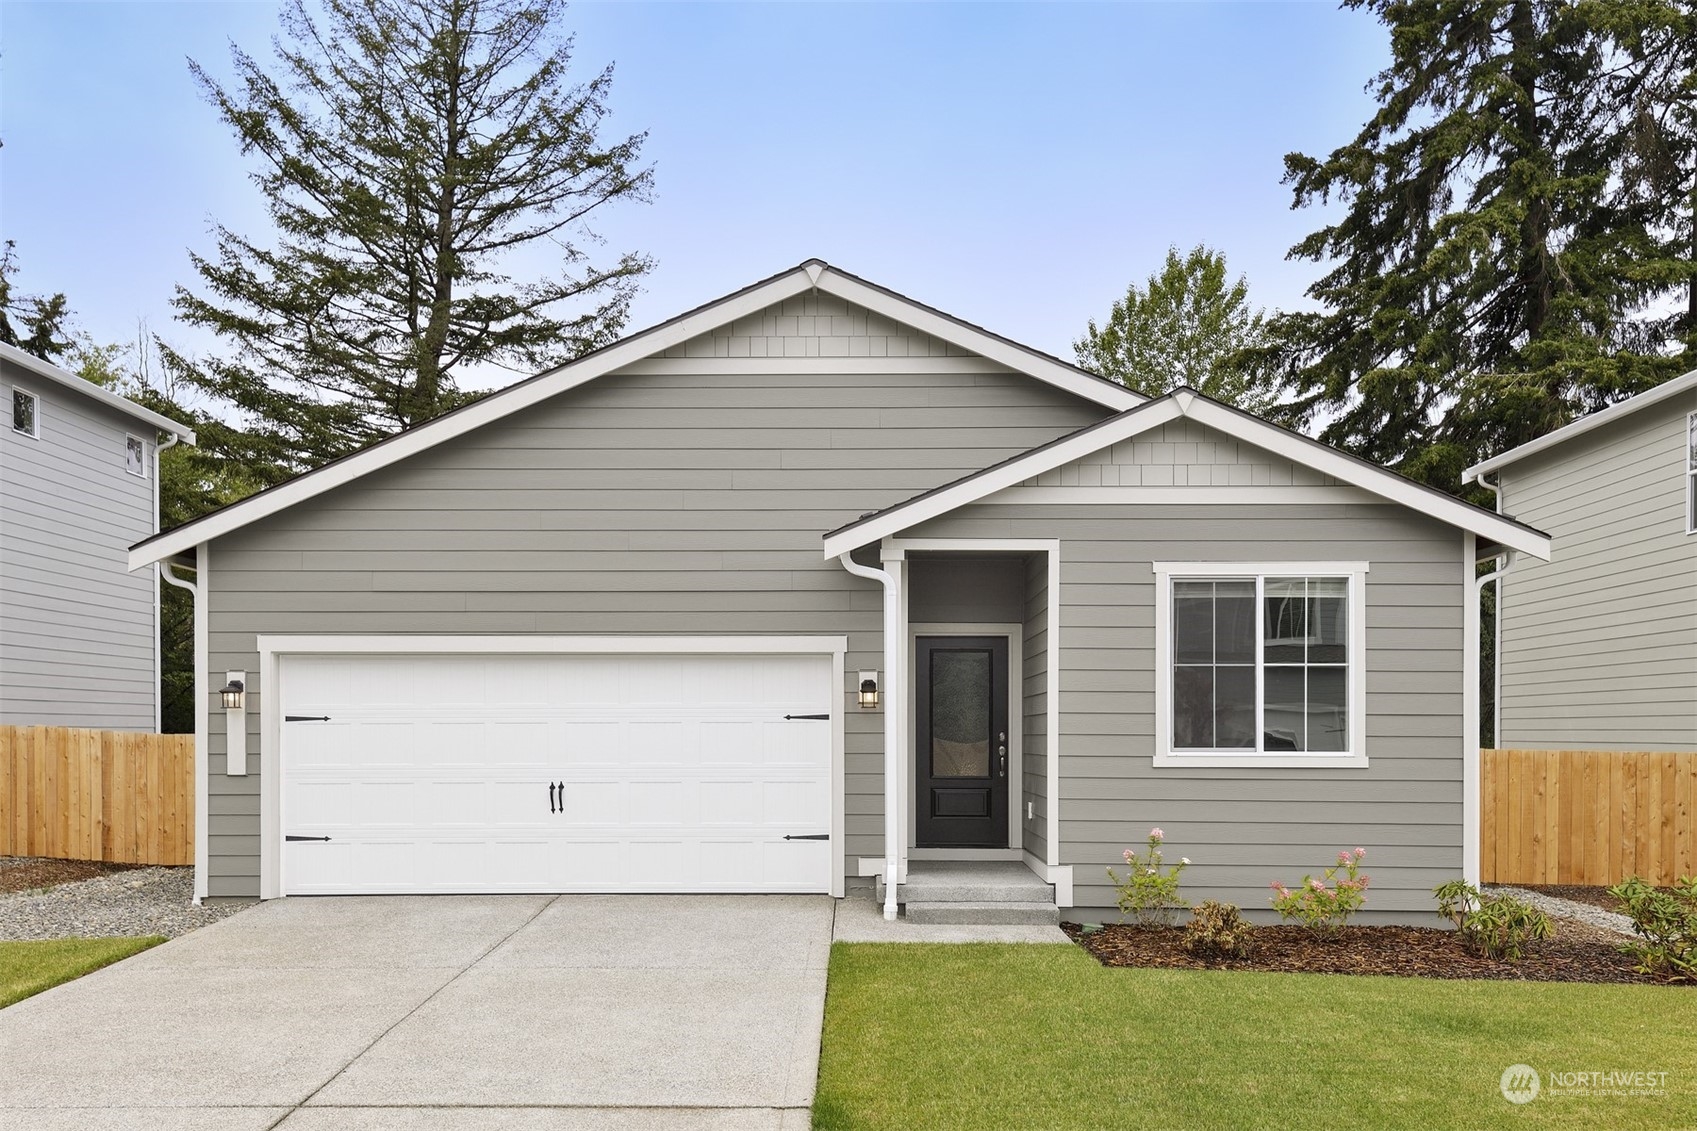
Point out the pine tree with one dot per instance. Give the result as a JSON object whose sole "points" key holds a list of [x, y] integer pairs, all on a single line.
{"points": [[1486, 280], [1188, 324], [405, 149], [36, 324]]}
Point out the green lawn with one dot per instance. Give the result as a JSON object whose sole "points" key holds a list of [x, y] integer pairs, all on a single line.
{"points": [[1008, 1036], [29, 967]]}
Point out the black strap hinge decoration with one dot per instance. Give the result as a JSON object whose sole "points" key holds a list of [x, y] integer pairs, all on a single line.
{"points": [[306, 718], [820, 717], [808, 836], [306, 838], [551, 788]]}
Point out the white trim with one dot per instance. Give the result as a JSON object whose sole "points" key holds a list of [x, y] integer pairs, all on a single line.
{"points": [[1356, 667], [142, 474], [34, 430], [69, 380], [1014, 633], [497, 406], [894, 366], [896, 549], [1204, 496], [1665, 391], [1058, 874], [1689, 444], [272, 649], [1472, 588], [1269, 437]]}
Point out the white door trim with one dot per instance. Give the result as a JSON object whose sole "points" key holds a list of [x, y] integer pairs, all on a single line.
{"points": [[1015, 635], [272, 648]]}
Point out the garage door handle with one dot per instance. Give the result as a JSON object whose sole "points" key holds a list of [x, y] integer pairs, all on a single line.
{"points": [[819, 717], [808, 836], [550, 797], [306, 718], [306, 838]]}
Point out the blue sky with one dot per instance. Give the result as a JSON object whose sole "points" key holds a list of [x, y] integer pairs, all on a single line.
{"points": [[1015, 165]]}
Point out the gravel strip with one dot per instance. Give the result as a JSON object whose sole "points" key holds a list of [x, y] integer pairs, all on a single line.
{"points": [[140, 901], [1559, 908]]}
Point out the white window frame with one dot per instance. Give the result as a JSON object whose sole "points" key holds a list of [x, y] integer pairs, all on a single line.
{"points": [[1690, 475], [142, 474], [35, 417], [1355, 573]]}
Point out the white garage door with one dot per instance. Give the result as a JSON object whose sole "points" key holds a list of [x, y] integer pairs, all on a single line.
{"points": [[556, 773]]}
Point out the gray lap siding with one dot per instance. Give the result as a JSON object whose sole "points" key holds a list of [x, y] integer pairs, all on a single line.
{"points": [[1246, 827], [653, 501]]}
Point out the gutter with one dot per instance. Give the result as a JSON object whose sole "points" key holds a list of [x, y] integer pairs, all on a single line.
{"points": [[201, 782], [171, 441], [1497, 620], [895, 698]]}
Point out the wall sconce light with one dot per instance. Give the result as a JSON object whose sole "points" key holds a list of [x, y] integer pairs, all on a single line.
{"points": [[234, 697], [868, 690]]}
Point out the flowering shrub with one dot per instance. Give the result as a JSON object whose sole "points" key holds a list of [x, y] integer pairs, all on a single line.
{"points": [[1497, 926], [1325, 904], [1148, 894]]}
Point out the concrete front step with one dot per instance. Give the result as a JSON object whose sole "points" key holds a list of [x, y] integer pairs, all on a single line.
{"points": [[970, 882], [1004, 913]]}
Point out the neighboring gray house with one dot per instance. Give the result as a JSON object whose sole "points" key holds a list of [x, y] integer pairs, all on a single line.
{"points": [[816, 584], [79, 632], [1598, 647]]}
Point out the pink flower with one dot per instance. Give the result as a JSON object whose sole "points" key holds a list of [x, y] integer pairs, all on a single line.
{"points": [[1360, 852], [1343, 857], [1316, 885], [1156, 834], [1128, 855]]}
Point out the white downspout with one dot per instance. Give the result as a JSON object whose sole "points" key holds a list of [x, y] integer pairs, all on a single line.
{"points": [[171, 441], [201, 783], [1474, 755], [894, 696]]}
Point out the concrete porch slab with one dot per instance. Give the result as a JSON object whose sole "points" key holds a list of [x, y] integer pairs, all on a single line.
{"points": [[859, 919]]}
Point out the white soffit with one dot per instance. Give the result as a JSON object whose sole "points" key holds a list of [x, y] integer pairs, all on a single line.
{"points": [[814, 274], [1190, 405]]}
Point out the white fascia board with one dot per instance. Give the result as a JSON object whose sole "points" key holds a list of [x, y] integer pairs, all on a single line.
{"points": [[809, 276], [69, 380], [1665, 391], [325, 644], [905, 516], [1103, 392], [475, 415], [1386, 484]]}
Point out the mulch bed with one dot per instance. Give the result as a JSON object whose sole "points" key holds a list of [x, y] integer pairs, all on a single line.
{"points": [[27, 873], [1574, 952]]}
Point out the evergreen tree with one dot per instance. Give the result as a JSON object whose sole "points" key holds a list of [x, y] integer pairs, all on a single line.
{"points": [[1487, 280], [405, 149], [1188, 324], [36, 324]]}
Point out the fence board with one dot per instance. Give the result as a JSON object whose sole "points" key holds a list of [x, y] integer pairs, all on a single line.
{"points": [[81, 794], [1587, 816]]}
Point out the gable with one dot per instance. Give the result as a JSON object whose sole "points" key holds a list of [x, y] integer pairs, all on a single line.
{"points": [[815, 324], [1183, 453]]}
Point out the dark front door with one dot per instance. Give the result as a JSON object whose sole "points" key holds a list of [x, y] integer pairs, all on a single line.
{"points": [[962, 742]]}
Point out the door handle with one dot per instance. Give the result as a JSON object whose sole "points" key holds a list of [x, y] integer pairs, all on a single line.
{"points": [[550, 797], [1002, 753]]}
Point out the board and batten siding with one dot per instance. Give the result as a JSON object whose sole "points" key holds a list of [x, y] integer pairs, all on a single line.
{"points": [[1034, 823], [1244, 828], [1599, 644], [76, 627], [682, 495]]}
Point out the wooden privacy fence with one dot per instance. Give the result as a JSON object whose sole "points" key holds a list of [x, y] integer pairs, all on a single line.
{"points": [[80, 794], [1586, 816]]}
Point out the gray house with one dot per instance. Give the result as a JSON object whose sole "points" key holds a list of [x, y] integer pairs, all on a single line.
{"points": [[815, 585], [1598, 647], [79, 632]]}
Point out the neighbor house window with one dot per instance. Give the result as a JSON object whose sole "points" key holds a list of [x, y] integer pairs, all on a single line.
{"points": [[26, 414], [1260, 664], [1691, 474], [135, 456]]}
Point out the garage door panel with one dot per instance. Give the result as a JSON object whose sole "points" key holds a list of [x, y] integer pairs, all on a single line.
{"points": [[675, 773]]}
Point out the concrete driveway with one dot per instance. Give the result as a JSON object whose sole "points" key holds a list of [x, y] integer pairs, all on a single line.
{"points": [[438, 1012]]}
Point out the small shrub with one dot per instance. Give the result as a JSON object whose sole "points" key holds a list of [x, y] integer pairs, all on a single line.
{"points": [[1149, 894], [1666, 925], [1323, 905], [1496, 926], [1218, 930]]}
